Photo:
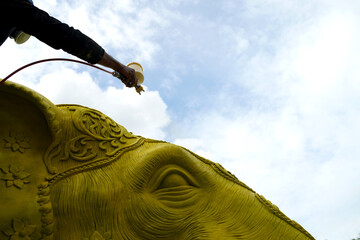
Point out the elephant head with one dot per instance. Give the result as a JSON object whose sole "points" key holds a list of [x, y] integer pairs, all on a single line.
{"points": [[70, 172]]}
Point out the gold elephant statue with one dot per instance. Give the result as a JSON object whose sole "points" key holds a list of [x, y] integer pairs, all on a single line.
{"points": [[70, 172]]}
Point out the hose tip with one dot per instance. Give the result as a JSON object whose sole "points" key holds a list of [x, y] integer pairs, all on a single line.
{"points": [[139, 89]]}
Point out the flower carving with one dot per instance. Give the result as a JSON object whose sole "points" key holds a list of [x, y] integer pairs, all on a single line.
{"points": [[15, 176], [20, 230], [17, 142], [97, 236]]}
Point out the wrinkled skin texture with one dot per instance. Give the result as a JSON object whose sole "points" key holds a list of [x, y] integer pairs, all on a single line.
{"points": [[97, 181]]}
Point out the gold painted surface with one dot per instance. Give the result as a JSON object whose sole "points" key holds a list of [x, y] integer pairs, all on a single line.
{"points": [[70, 172]]}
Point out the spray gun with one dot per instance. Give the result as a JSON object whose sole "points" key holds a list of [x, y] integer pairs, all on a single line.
{"points": [[134, 65], [139, 75]]}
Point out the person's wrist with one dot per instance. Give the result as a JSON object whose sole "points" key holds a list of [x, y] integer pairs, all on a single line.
{"points": [[109, 61], [127, 72]]}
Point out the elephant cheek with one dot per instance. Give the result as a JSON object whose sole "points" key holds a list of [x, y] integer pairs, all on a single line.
{"points": [[147, 218]]}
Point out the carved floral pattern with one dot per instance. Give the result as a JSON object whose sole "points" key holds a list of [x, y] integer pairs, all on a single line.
{"points": [[20, 230], [91, 136], [95, 127], [15, 176], [17, 141]]}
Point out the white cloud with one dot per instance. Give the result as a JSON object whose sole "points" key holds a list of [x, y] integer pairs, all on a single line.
{"points": [[235, 37], [296, 142]]}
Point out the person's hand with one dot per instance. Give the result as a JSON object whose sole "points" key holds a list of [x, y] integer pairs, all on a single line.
{"points": [[130, 79], [129, 74]]}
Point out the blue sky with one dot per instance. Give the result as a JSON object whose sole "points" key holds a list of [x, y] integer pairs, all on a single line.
{"points": [[267, 88]]}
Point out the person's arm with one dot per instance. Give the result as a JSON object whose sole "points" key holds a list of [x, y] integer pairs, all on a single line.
{"points": [[58, 35]]}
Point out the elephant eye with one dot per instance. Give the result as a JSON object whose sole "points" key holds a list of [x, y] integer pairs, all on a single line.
{"points": [[173, 180], [171, 177], [174, 187]]}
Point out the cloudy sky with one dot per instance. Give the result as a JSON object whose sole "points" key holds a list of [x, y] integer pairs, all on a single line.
{"points": [[268, 88]]}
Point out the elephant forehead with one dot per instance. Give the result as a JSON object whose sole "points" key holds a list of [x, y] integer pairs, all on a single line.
{"points": [[160, 153], [154, 158]]}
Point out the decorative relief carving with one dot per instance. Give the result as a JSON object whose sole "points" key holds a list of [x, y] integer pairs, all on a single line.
{"points": [[95, 126], [15, 176], [17, 141], [20, 230], [47, 217], [97, 236], [89, 137]]}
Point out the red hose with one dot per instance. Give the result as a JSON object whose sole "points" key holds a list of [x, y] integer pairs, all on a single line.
{"points": [[49, 60]]}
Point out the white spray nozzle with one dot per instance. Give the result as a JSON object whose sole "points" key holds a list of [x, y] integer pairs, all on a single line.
{"points": [[138, 71], [139, 75]]}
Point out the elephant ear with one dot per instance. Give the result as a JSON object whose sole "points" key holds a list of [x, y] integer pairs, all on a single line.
{"points": [[41, 144], [28, 125]]}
